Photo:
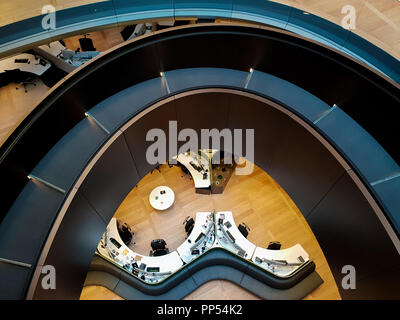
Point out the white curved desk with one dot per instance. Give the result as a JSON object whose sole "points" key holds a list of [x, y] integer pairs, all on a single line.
{"points": [[282, 262], [240, 245], [124, 256], [204, 224], [187, 158], [32, 67]]}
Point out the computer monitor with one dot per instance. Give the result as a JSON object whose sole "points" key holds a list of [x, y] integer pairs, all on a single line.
{"points": [[153, 269], [241, 253], [230, 236], [227, 224], [115, 243], [201, 235]]}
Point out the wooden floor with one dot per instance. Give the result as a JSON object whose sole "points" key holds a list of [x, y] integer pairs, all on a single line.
{"points": [[378, 21], [102, 40], [255, 199], [15, 105], [17, 10]]}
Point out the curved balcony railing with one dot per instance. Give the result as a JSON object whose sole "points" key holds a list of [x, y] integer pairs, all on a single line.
{"points": [[23, 34]]}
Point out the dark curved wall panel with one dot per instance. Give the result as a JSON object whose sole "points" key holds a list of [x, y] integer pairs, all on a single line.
{"points": [[305, 169], [268, 123], [136, 135], [111, 179], [344, 221], [36, 207], [72, 262], [203, 111]]}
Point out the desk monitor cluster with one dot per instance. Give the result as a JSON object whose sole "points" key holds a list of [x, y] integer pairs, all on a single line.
{"points": [[208, 231]]}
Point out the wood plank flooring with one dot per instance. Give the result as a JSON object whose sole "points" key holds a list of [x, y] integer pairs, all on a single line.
{"points": [[255, 199]]}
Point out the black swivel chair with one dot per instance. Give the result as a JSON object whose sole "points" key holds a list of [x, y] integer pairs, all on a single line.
{"points": [[158, 247], [23, 78], [189, 224], [274, 245], [125, 232], [184, 170], [158, 244], [244, 229], [86, 44]]}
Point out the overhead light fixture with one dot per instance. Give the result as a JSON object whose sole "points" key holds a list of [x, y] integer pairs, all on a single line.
{"points": [[32, 177], [88, 115], [165, 81], [251, 71]]}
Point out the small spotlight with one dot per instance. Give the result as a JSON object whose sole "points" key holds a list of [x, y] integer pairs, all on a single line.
{"points": [[161, 74], [251, 70], [86, 115], [29, 177]]}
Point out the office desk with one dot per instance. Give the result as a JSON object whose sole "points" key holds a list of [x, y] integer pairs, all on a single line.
{"points": [[186, 159], [32, 67], [124, 256], [281, 262], [204, 223], [240, 246], [54, 48], [168, 263]]}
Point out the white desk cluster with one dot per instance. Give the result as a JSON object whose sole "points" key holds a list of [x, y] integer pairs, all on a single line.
{"points": [[211, 230], [198, 165], [25, 62]]}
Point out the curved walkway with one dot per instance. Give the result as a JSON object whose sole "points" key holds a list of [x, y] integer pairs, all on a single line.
{"points": [[24, 34]]}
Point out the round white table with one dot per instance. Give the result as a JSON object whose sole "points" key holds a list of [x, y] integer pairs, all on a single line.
{"points": [[161, 198]]}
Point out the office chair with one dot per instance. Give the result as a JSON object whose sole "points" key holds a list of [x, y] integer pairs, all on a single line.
{"points": [[156, 168], [125, 232], [127, 32], [22, 78], [189, 224], [86, 44], [158, 247], [244, 229], [184, 170], [274, 245], [170, 165], [158, 244]]}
